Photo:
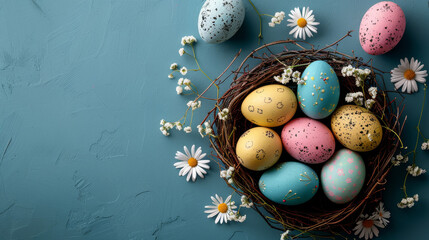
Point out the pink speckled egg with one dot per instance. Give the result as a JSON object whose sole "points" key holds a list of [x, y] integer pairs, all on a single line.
{"points": [[308, 140], [381, 28]]}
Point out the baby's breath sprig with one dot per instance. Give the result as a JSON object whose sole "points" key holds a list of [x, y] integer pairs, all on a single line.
{"points": [[186, 87], [412, 169]]}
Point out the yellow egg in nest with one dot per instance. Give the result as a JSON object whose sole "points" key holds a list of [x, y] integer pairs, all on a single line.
{"points": [[356, 128], [270, 106], [259, 148]]}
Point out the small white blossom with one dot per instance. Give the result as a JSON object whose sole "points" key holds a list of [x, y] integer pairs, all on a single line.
{"points": [[188, 88], [399, 159], [245, 202], [408, 202], [277, 19], [415, 170], [205, 130], [425, 145], [223, 115], [173, 66], [180, 81], [235, 216], [182, 51], [187, 129], [170, 76], [186, 82], [373, 92], [356, 97], [369, 103], [179, 90], [230, 181], [188, 40], [194, 105], [183, 71], [178, 125]]}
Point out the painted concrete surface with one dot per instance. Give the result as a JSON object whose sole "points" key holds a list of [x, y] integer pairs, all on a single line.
{"points": [[83, 87]]}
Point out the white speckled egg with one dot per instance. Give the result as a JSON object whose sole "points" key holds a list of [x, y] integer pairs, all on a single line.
{"points": [[258, 148], [269, 106], [381, 28], [318, 96], [356, 128], [289, 183], [219, 20], [343, 176]]}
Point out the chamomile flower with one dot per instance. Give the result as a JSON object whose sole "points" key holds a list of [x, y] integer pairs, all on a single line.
{"points": [[220, 208], [183, 71], [407, 74], [192, 163], [367, 227], [303, 22], [382, 214]]}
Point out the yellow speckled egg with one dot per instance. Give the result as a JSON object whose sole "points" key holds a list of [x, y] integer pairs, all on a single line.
{"points": [[259, 148], [356, 128], [270, 105]]}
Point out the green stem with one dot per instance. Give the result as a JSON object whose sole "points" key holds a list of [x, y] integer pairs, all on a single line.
{"points": [[260, 21], [201, 70]]}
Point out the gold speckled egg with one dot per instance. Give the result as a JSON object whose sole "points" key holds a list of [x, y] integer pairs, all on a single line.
{"points": [[259, 148], [356, 128], [270, 105]]}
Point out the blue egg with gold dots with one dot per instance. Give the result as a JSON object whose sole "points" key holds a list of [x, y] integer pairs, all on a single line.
{"points": [[289, 183], [319, 94]]}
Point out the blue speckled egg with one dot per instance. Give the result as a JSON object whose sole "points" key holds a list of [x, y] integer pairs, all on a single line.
{"points": [[219, 20], [318, 96], [289, 183], [343, 176]]}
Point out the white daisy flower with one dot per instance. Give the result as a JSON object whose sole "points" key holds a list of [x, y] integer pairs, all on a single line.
{"points": [[303, 23], [192, 163], [367, 227], [406, 75], [382, 214], [220, 208], [183, 71]]}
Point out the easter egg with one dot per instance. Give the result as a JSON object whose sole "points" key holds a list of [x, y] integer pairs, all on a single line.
{"points": [[308, 140], [356, 128], [289, 183], [343, 176], [381, 28], [270, 105], [219, 20], [319, 94], [259, 148]]}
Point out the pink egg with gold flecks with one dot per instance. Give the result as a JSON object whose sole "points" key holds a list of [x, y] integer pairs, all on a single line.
{"points": [[308, 140], [343, 176], [381, 28]]}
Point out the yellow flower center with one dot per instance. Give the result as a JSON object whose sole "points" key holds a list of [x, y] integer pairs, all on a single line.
{"points": [[367, 223], [302, 22], [409, 74], [192, 162], [223, 208]]}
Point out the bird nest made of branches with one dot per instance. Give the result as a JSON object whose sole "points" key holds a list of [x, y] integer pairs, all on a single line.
{"points": [[319, 214]]}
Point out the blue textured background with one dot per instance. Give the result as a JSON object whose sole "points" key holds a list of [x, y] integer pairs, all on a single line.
{"points": [[83, 87]]}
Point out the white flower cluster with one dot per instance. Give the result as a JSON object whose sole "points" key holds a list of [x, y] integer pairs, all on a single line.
{"points": [[425, 145], [415, 170], [205, 130], [227, 174], [399, 159], [408, 201], [167, 126], [183, 83], [359, 74], [287, 75], [188, 40], [194, 104], [358, 97], [245, 202], [235, 215], [223, 115], [277, 19], [284, 235]]}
